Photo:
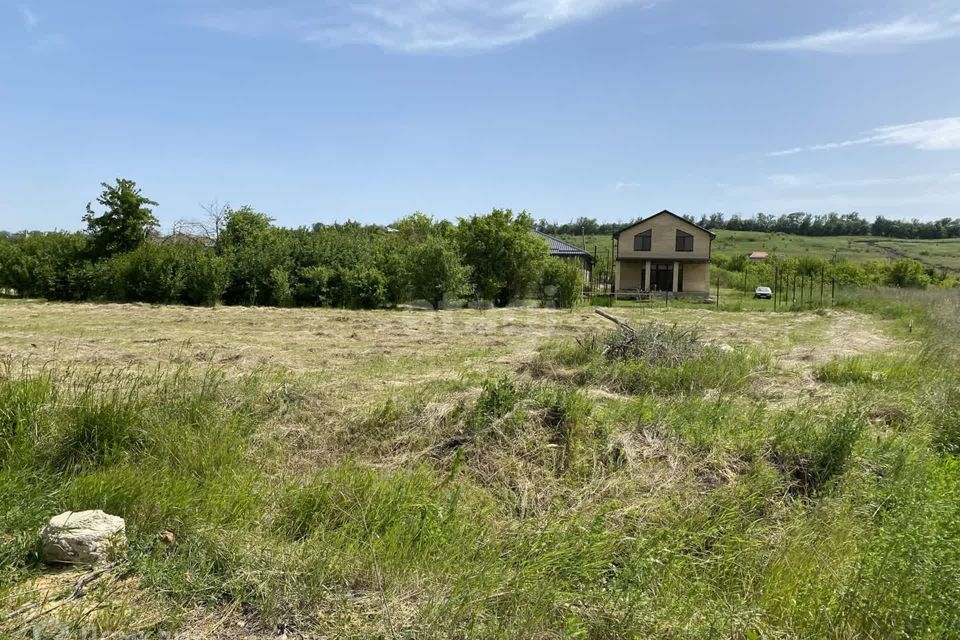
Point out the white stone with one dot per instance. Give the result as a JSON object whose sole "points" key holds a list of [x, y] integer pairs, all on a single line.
{"points": [[83, 537], [723, 347]]}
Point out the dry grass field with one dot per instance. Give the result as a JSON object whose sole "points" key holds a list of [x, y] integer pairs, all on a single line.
{"points": [[360, 356], [473, 474]]}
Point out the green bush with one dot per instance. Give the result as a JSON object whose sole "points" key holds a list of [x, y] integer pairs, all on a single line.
{"points": [[313, 287], [907, 272], [561, 283], [281, 293], [362, 287], [45, 265], [161, 274]]}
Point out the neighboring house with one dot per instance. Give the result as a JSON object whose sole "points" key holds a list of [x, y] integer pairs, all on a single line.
{"points": [[758, 256], [663, 253], [564, 251]]}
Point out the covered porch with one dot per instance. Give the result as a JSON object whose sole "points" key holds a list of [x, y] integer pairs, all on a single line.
{"points": [[675, 276]]}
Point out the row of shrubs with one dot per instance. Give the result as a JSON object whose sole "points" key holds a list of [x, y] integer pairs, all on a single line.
{"points": [[903, 272], [252, 262]]}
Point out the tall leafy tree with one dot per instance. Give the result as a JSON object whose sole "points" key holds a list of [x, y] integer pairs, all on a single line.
{"points": [[436, 272], [505, 258], [258, 258], [126, 223]]}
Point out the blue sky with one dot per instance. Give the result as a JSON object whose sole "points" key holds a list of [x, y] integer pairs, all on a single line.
{"points": [[322, 111]]}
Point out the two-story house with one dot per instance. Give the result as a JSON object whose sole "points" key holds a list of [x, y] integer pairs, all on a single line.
{"points": [[663, 253]]}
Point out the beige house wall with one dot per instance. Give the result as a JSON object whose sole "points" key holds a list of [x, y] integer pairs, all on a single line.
{"points": [[663, 241], [632, 274], [696, 278]]}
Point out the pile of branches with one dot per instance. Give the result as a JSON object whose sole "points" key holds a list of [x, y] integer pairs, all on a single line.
{"points": [[652, 343]]}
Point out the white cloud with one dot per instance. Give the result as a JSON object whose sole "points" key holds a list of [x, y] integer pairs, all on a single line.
{"points": [[413, 25], [30, 19], [873, 37], [928, 135]]}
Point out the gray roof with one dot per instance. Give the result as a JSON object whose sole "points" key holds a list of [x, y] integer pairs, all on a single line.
{"points": [[561, 248]]}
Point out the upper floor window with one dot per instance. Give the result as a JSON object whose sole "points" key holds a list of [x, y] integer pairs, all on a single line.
{"points": [[684, 241], [641, 241]]}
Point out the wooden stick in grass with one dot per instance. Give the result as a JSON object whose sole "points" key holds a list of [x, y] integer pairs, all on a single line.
{"points": [[617, 321]]}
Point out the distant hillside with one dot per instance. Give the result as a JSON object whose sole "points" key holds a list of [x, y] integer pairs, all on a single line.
{"points": [[939, 254]]}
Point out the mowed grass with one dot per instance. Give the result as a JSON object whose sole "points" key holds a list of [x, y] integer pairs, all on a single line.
{"points": [[503, 474]]}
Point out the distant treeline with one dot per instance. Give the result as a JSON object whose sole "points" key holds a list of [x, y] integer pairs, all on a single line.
{"points": [[803, 224], [238, 256]]}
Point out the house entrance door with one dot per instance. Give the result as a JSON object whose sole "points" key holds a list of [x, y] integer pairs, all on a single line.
{"points": [[661, 276]]}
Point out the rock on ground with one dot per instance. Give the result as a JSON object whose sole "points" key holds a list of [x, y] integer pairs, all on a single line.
{"points": [[83, 537]]}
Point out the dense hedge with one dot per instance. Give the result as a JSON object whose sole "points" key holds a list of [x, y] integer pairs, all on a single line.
{"points": [[252, 262]]}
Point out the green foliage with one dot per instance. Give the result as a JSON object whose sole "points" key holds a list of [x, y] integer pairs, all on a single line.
{"points": [[126, 223], [204, 277], [436, 272], [150, 273], [362, 287], [561, 283], [252, 248], [281, 293], [46, 265], [313, 289], [162, 273], [504, 257], [907, 273]]}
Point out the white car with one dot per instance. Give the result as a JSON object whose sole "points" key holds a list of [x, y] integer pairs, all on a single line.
{"points": [[763, 293]]}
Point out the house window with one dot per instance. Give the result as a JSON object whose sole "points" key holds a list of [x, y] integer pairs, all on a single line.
{"points": [[641, 241], [684, 241]]}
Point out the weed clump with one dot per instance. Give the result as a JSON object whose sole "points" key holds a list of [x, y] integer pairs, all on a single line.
{"points": [[945, 420], [812, 450], [654, 358], [564, 412]]}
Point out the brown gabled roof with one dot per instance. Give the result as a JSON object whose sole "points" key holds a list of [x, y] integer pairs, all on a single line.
{"points": [[664, 212], [759, 254]]}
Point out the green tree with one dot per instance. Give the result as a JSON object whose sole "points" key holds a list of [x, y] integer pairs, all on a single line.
{"points": [[281, 293], [253, 248], [436, 272], [505, 258], [561, 283], [126, 223]]}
